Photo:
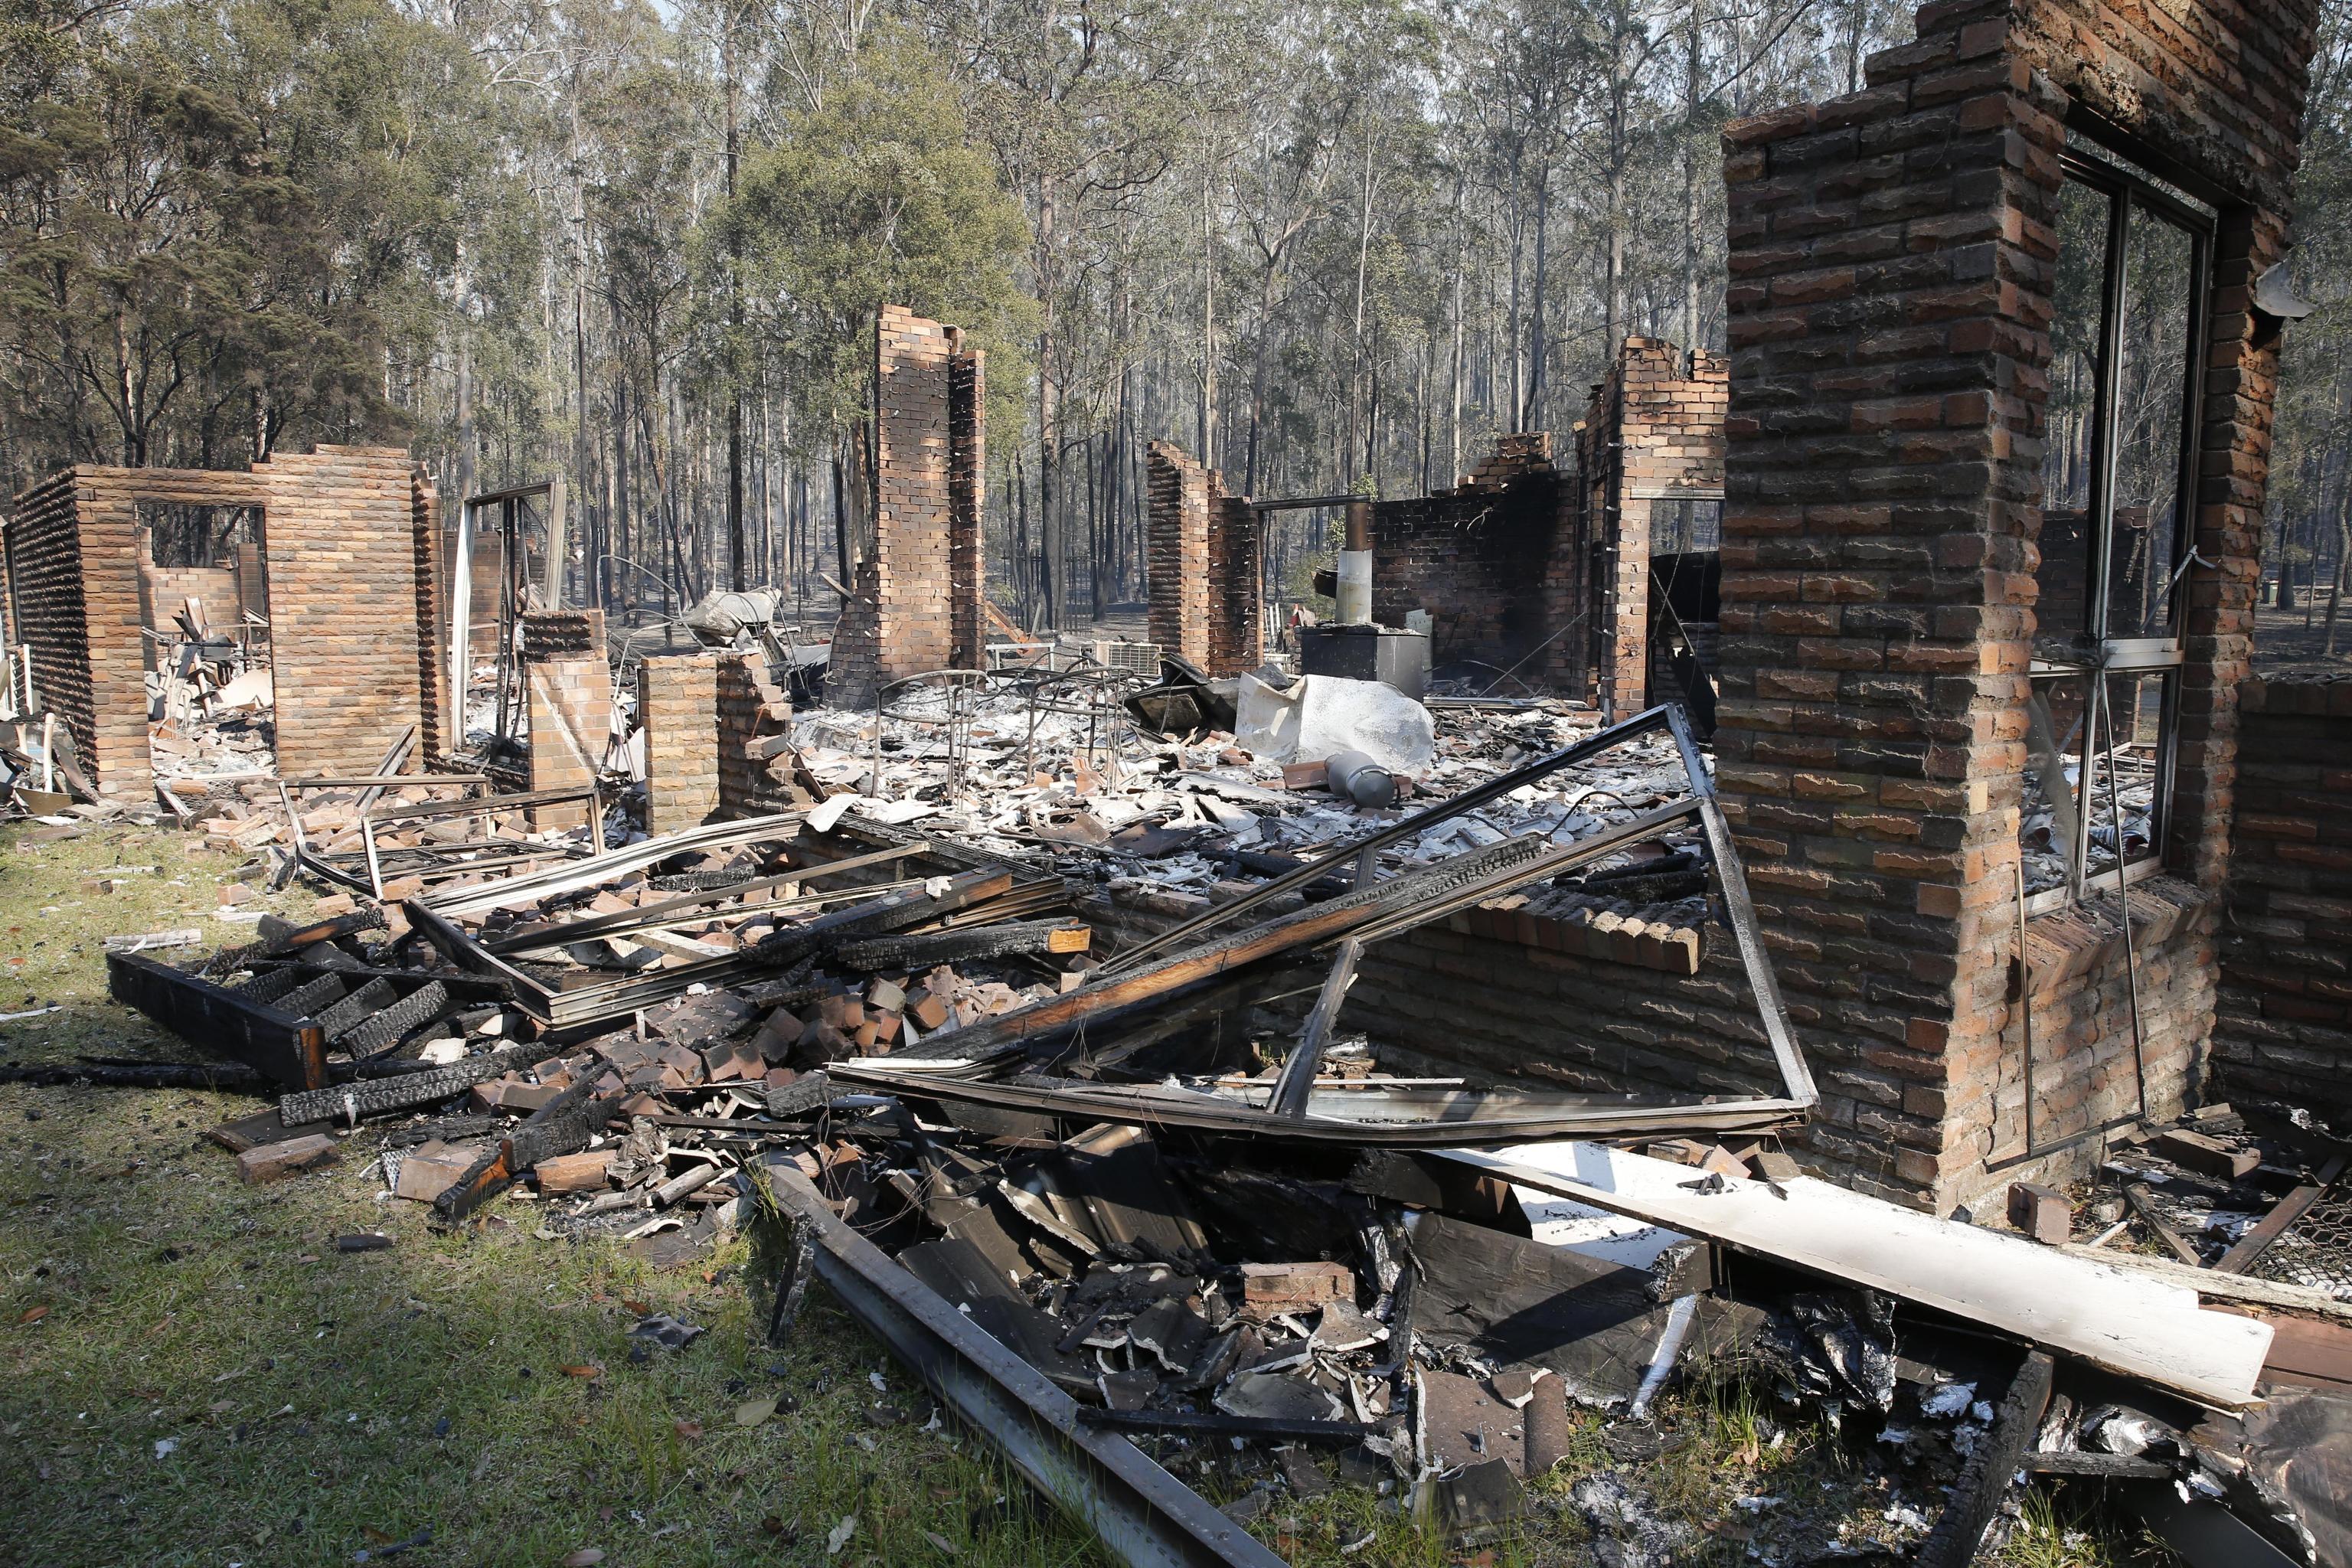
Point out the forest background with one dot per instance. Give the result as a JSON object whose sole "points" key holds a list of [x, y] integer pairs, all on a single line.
{"points": [[1335, 245]]}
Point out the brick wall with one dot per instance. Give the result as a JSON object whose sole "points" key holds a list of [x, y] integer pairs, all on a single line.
{"points": [[347, 658], [1891, 264], [1236, 594], [967, 485], [751, 707], [352, 599], [916, 606], [570, 718], [569, 679], [1177, 551], [1652, 431], [46, 613], [1479, 559], [2285, 1024], [677, 704]]}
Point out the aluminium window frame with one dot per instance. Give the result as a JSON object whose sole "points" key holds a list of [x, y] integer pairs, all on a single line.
{"points": [[2127, 188]]}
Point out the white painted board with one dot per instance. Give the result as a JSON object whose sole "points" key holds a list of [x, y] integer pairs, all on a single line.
{"points": [[2107, 1315]]}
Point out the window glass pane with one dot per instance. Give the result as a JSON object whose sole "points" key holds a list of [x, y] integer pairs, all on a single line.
{"points": [[2071, 415], [2151, 386]]}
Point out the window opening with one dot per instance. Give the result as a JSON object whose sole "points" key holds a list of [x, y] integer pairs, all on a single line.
{"points": [[186, 534], [2118, 469]]}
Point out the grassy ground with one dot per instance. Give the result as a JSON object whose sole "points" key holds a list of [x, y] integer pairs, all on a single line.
{"points": [[190, 1374]]}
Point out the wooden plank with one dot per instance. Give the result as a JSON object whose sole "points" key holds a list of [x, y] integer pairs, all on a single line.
{"points": [[2135, 1195], [2215, 1286], [2053, 1297], [2271, 1226]]}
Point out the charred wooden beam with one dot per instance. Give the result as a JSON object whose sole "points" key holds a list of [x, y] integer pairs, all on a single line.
{"points": [[1960, 1530], [924, 949], [140, 1075], [281, 1044], [2274, 1225], [353, 1102], [560, 1127], [279, 936]]}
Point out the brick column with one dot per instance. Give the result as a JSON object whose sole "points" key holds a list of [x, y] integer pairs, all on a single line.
{"points": [[677, 704], [1889, 296], [910, 509], [1177, 550], [570, 718], [967, 484], [1891, 265], [1237, 609]]}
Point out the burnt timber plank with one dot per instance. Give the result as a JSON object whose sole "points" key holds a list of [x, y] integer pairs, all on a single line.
{"points": [[1961, 1531], [288, 1047]]}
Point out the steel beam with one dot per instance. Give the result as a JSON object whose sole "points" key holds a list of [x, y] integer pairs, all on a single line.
{"points": [[1143, 1515]]}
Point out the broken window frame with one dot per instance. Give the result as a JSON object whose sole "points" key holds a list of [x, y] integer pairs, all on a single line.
{"points": [[2100, 659], [967, 1068]]}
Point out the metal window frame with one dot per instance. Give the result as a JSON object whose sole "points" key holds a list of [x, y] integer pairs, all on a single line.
{"points": [[2127, 190], [956, 1074]]}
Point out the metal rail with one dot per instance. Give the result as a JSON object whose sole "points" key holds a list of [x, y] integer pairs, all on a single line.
{"points": [[1143, 1515]]}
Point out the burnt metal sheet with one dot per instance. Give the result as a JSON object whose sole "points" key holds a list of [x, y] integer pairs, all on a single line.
{"points": [[1143, 1515], [288, 1047]]}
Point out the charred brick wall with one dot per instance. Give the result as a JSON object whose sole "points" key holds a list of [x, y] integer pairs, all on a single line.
{"points": [[2285, 1024], [1891, 266], [555, 633], [1652, 432], [677, 705], [47, 615], [967, 484], [1236, 598], [435, 734], [1478, 559], [751, 707], [1177, 550], [911, 597]]}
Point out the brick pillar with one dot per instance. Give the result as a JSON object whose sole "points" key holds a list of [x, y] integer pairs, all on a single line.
{"points": [[1177, 550], [1876, 565], [967, 484], [346, 650], [677, 704], [48, 612], [1236, 608], [570, 718], [910, 512], [1891, 264]]}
